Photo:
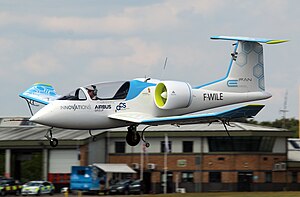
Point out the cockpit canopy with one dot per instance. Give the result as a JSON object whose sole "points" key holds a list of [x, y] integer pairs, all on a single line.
{"points": [[101, 91]]}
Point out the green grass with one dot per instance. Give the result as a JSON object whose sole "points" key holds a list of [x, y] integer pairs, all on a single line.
{"points": [[231, 194]]}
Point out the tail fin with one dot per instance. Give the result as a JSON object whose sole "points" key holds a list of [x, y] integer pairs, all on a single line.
{"points": [[246, 70]]}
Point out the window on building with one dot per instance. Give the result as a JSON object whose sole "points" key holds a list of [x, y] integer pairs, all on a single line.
{"points": [[2, 162], [119, 147], [294, 144], [187, 146], [187, 177], [294, 177], [268, 177], [163, 146], [241, 144], [215, 177]]}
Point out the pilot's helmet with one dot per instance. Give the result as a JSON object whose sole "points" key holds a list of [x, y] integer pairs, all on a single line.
{"points": [[92, 88]]}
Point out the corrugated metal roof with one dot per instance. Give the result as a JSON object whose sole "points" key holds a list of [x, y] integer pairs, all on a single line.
{"points": [[38, 133]]}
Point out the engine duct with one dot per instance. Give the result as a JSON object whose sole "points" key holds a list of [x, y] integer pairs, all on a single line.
{"points": [[173, 95]]}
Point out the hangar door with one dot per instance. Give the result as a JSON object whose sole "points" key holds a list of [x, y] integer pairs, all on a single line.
{"points": [[61, 161]]}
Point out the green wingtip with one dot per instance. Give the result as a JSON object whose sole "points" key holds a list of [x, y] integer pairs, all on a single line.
{"points": [[45, 84], [276, 41]]}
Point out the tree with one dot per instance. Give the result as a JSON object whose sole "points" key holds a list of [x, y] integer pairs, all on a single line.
{"points": [[290, 124]]}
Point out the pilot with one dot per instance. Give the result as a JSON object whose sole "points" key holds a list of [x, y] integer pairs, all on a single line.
{"points": [[92, 91]]}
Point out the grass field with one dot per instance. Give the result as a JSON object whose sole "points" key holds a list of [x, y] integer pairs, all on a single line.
{"points": [[231, 194]]}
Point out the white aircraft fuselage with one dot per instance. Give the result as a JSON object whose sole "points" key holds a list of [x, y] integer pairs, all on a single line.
{"points": [[94, 114]]}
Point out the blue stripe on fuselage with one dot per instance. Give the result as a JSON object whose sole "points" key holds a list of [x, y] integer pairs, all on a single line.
{"points": [[136, 87]]}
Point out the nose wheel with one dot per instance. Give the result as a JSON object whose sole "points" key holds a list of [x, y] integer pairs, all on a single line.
{"points": [[53, 141], [92, 136]]}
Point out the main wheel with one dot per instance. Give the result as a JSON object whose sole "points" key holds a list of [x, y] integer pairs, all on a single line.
{"points": [[38, 193], [126, 192], [53, 142], [18, 192], [2, 192], [133, 138]]}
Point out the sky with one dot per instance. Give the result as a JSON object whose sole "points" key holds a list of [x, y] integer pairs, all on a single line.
{"points": [[71, 43]]}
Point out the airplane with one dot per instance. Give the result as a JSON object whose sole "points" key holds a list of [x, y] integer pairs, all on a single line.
{"points": [[152, 102]]}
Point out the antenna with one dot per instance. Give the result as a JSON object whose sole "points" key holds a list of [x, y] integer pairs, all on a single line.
{"points": [[165, 65], [284, 110]]}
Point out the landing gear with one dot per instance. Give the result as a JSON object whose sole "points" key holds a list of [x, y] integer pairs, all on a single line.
{"points": [[147, 144], [53, 142], [133, 137], [224, 122], [93, 137], [227, 122], [48, 136]]}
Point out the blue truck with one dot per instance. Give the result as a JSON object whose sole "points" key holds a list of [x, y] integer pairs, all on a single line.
{"points": [[87, 179]]}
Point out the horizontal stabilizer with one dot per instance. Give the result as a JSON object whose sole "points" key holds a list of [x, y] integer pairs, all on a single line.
{"points": [[247, 111], [40, 93], [261, 40]]}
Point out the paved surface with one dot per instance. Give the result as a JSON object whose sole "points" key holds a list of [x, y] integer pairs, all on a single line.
{"points": [[70, 195]]}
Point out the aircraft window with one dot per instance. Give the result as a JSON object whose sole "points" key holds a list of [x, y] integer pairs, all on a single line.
{"points": [[80, 94], [74, 95], [111, 90], [122, 92]]}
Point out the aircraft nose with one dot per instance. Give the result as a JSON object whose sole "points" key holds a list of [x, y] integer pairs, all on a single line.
{"points": [[42, 116], [35, 118]]}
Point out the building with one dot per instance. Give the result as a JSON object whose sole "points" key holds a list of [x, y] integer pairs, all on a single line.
{"points": [[293, 164], [202, 157], [205, 158], [26, 155]]}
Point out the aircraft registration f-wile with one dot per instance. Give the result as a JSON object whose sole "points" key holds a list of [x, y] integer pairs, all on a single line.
{"points": [[146, 101]]}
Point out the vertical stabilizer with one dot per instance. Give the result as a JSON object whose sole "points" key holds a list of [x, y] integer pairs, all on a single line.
{"points": [[246, 70]]}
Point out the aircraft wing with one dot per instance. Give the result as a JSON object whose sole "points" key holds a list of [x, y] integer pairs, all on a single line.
{"points": [[247, 111], [40, 93]]}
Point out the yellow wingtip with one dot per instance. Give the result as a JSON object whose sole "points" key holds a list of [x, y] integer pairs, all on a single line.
{"points": [[276, 41]]}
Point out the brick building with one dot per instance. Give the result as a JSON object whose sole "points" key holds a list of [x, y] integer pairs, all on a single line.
{"points": [[201, 157], [205, 158]]}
